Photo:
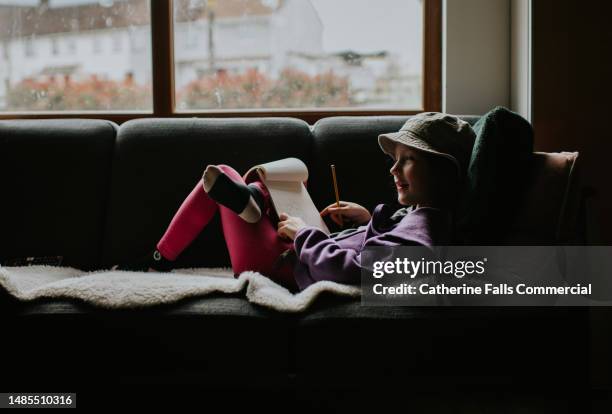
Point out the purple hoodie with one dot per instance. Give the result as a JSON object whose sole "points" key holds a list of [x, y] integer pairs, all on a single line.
{"points": [[337, 257]]}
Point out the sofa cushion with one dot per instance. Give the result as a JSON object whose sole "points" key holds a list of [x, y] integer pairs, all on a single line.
{"points": [[542, 215], [55, 185], [498, 165], [159, 161]]}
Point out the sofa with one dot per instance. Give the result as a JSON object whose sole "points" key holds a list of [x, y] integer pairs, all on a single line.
{"points": [[97, 194]]}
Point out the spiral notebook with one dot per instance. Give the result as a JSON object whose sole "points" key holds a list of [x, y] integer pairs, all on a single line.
{"points": [[285, 181]]}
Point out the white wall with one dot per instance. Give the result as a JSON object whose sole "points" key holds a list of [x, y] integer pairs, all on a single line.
{"points": [[110, 63], [475, 55], [296, 28], [520, 57]]}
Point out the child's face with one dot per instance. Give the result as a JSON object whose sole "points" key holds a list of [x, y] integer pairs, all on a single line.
{"points": [[413, 176]]}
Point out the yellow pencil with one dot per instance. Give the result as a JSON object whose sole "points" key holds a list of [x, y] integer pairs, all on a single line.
{"points": [[333, 169]]}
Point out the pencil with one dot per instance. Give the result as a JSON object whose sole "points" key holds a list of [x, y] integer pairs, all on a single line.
{"points": [[333, 170]]}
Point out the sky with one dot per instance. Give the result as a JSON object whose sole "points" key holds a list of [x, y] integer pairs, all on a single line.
{"points": [[393, 25], [362, 25]]}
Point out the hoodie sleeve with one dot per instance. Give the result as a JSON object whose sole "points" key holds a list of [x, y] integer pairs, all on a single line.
{"points": [[328, 260], [325, 258]]}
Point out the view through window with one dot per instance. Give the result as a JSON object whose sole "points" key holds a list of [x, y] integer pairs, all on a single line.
{"points": [[95, 55], [75, 55], [298, 54]]}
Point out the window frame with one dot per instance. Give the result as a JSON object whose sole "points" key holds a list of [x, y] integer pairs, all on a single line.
{"points": [[163, 93]]}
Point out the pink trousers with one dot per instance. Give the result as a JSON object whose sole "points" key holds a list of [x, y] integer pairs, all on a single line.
{"points": [[251, 246]]}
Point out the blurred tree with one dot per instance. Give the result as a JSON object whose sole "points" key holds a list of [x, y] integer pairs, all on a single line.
{"points": [[70, 95], [253, 89]]}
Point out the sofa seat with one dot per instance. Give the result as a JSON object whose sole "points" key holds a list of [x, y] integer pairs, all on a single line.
{"points": [[344, 344], [208, 340]]}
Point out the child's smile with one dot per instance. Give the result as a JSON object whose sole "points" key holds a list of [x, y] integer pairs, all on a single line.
{"points": [[400, 185]]}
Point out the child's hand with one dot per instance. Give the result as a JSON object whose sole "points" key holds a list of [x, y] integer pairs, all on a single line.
{"points": [[288, 226], [347, 211]]}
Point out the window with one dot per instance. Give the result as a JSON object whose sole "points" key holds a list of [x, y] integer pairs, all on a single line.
{"points": [[72, 48], [310, 54], [117, 42], [28, 48], [97, 43], [66, 77], [304, 58], [54, 46]]}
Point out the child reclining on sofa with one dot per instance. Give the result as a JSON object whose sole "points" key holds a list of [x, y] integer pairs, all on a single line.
{"points": [[431, 153]]}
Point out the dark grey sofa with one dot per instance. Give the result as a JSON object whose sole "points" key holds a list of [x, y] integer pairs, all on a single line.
{"points": [[97, 194]]}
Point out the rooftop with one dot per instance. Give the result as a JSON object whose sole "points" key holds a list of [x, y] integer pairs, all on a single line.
{"points": [[23, 21]]}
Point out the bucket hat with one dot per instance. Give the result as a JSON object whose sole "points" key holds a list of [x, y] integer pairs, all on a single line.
{"points": [[437, 133]]}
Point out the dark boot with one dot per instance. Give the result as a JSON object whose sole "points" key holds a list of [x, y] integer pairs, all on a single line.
{"points": [[153, 261]]}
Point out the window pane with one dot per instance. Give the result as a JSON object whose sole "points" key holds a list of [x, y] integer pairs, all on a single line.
{"points": [[298, 54], [75, 55]]}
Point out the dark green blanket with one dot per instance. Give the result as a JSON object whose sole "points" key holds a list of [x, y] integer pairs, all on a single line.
{"points": [[498, 168]]}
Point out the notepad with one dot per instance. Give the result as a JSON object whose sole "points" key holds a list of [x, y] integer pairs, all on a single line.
{"points": [[285, 181]]}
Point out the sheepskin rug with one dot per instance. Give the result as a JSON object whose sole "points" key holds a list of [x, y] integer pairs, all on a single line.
{"points": [[123, 289]]}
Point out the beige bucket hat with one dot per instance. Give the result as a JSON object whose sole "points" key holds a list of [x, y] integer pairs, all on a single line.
{"points": [[437, 133]]}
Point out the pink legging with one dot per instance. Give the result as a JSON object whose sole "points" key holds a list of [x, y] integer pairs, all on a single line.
{"points": [[251, 246]]}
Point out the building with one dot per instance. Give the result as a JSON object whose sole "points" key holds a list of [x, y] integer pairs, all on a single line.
{"points": [[245, 34], [111, 40]]}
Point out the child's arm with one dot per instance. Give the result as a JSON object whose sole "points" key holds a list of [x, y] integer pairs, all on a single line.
{"points": [[328, 260], [352, 212], [325, 259]]}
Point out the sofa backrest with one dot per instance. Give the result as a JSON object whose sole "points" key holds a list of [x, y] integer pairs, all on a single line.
{"points": [[55, 182], [98, 194], [157, 162]]}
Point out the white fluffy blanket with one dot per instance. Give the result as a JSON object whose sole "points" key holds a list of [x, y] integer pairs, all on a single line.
{"points": [[121, 289]]}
